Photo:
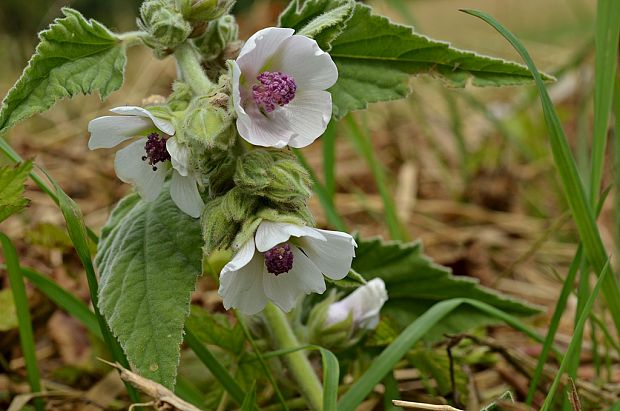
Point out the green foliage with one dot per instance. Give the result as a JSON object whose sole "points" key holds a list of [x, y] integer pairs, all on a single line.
{"points": [[8, 315], [435, 364], [75, 56], [376, 56], [322, 20], [149, 257], [414, 283], [215, 329], [12, 181]]}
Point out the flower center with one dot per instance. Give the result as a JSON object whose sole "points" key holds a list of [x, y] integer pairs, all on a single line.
{"points": [[156, 151], [279, 259], [275, 89]]}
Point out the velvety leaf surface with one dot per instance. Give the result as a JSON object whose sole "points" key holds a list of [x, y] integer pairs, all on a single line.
{"points": [[414, 283], [74, 56], [149, 257], [12, 181]]}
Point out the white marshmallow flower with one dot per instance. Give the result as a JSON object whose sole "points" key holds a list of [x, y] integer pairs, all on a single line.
{"points": [[363, 305], [279, 82], [145, 162], [281, 262]]}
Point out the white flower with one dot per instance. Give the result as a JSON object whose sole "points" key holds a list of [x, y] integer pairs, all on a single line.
{"points": [[363, 304], [281, 262], [146, 161], [279, 83]]}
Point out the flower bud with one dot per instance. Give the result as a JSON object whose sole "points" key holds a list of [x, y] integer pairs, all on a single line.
{"points": [[205, 10], [220, 40], [164, 22], [339, 325], [273, 174], [363, 305], [224, 217], [206, 120]]}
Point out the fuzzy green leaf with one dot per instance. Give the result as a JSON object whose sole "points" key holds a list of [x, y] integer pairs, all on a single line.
{"points": [[322, 20], [414, 283], [74, 56], [12, 181], [215, 329], [149, 257], [375, 56]]}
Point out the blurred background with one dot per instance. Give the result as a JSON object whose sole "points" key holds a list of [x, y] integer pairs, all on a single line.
{"points": [[470, 170]]}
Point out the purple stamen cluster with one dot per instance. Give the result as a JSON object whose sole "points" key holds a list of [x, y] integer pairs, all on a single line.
{"points": [[156, 151], [279, 259], [275, 89]]}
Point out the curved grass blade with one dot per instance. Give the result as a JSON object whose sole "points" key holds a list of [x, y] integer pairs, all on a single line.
{"points": [[575, 342], [26, 336], [606, 41], [388, 358], [571, 181], [331, 374], [216, 368], [79, 237], [64, 300]]}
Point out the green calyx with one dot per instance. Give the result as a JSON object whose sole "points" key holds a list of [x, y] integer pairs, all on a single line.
{"points": [[206, 10], [273, 174], [335, 337], [207, 121], [165, 24], [219, 42]]}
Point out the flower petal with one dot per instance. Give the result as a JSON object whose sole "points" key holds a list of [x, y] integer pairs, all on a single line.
{"points": [[179, 156], [241, 258], [109, 131], [334, 256], [270, 233], [262, 130], [131, 169], [258, 50], [311, 67], [185, 194], [163, 125], [364, 304], [307, 116], [242, 288], [304, 278]]}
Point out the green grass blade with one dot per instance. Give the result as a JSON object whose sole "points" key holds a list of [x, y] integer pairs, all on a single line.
{"points": [[216, 368], [261, 360], [388, 358], [362, 144], [79, 237], [554, 324], [391, 392], [249, 400], [606, 41], [331, 374], [575, 341], [321, 192], [573, 187], [23, 315], [329, 158], [186, 390], [64, 300]]}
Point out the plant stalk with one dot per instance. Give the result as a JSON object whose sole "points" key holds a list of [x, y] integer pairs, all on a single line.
{"points": [[191, 70], [298, 364]]}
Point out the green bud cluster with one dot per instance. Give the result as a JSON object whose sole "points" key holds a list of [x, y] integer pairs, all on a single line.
{"points": [[220, 42], [205, 10], [165, 24]]}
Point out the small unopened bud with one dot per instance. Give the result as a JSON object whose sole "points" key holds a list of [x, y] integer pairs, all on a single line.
{"points": [[363, 305], [273, 174], [220, 40], [165, 24], [205, 10], [339, 325], [206, 119]]}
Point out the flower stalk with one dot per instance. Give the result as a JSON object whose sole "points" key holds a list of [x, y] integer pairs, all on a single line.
{"points": [[191, 69], [298, 364]]}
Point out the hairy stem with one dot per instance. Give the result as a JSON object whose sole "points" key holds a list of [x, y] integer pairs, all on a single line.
{"points": [[131, 38], [298, 364], [191, 69]]}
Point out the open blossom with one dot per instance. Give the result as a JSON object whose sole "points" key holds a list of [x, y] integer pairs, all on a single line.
{"points": [[281, 262], [363, 304], [279, 83], [146, 161]]}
